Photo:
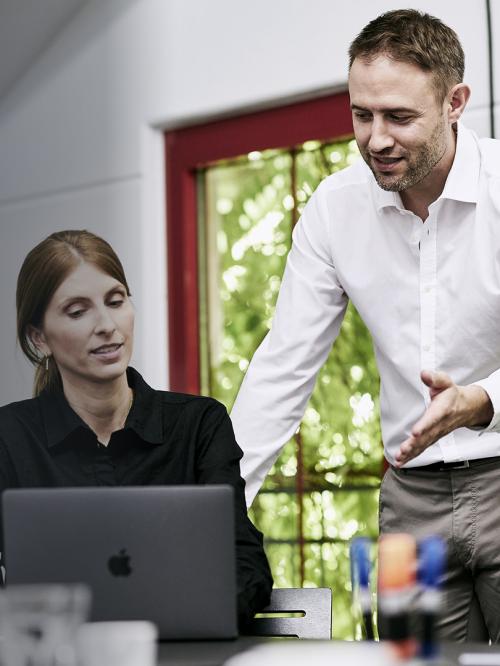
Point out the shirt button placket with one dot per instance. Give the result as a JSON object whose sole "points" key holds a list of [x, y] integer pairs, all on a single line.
{"points": [[428, 276]]}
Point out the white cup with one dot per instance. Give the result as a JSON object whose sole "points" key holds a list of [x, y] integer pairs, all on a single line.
{"points": [[117, 644], [39, 623]]}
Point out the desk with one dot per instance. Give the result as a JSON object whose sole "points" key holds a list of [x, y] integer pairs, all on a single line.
{"points": [[204, 653], [215, 653]]}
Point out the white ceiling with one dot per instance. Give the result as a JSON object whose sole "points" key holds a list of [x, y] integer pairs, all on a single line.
{"points": [[26, 28]]}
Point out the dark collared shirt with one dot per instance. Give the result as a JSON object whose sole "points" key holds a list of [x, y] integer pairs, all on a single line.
{"points": [[168, 439]]}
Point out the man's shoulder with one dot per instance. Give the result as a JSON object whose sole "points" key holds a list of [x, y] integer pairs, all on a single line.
{"points": [[490, 168], [490, 156], [355, 175], [347, 192]]}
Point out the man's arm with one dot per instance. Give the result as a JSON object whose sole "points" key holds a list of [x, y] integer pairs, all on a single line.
{"points": [[281, 376], [452, 406]]}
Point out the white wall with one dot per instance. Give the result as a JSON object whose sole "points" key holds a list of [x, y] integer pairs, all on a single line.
{"points": [[80, 133]]}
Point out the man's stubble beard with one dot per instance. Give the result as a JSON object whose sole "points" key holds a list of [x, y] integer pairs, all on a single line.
{"points": [[429, 154]]}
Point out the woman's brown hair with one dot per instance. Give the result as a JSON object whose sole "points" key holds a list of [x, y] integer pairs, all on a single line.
{"points": [[45, 267]]}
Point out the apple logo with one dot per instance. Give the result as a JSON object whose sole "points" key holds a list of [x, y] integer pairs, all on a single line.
{"points": [[119, 564]]}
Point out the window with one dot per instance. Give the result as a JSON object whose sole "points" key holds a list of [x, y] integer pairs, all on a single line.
{"points": [[236, 188]]}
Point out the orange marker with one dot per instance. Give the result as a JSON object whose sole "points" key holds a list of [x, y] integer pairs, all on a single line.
{"points": [[396, 589]]}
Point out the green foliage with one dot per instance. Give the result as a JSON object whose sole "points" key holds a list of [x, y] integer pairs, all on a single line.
{"points": [[251, 206]]}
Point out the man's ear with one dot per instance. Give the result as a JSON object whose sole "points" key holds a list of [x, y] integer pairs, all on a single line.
{"points": [[38, 339], [457, 101]]}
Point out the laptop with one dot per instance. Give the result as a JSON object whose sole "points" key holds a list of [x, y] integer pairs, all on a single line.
{"points": [[164, 554]]}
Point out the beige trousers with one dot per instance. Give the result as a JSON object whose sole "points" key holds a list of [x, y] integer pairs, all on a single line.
{"points": [[463, 507]]}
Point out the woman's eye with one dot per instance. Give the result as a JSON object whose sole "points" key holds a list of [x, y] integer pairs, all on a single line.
{"points": [[116, 302], [75, 314]]}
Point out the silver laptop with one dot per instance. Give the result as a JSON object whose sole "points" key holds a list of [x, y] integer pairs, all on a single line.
{"points": [[164, 554]]}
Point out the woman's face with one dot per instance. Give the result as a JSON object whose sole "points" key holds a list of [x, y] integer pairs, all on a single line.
{"points": [[88, 327]]}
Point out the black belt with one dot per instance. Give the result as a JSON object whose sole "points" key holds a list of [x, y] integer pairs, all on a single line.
{"points": [[445, 466]]}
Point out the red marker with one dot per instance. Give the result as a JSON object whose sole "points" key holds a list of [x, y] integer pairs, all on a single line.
{"points": [[396, 589]]}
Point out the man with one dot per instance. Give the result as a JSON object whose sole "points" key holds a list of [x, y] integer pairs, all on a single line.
{"points": [[411, 234]]}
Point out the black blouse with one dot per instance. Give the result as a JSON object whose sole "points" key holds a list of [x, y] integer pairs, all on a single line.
{"points": [[168, 439]]}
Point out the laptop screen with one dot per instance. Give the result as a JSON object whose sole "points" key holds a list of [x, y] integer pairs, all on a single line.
{"points": [[164, 554]]}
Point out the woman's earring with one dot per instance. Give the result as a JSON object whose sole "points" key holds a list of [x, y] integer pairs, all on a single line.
{"points": [[46, 362]]}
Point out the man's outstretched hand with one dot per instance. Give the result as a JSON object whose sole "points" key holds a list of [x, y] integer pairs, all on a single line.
{"points": [[452, 406]]}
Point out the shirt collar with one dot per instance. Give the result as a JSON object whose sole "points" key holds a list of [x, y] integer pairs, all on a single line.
{"points": [[384, 198], [462, 183], [145, 416], [59, 419]]}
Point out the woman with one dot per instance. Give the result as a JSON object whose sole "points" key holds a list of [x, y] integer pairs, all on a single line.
{"points": [[94, 421]]}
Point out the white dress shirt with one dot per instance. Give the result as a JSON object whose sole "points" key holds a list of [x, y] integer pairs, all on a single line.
{"points": [[428, 293]]}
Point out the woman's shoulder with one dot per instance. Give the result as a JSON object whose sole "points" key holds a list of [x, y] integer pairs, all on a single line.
{"points": [[18, 417], [175, 406], [20, 408], [194, 413], [175, 398], [191, 401]]}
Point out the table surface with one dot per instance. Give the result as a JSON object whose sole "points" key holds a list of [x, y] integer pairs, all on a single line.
{"points": [[215, 653], [203, 653]]}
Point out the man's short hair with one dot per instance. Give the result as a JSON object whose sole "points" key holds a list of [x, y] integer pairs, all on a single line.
{"points": [[408, 35]]}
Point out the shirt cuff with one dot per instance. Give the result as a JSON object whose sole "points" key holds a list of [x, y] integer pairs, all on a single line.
{"points": [[492, 387]]}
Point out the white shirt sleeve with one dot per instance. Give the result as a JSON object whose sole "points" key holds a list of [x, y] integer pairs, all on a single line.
{"points": [[491, 385], [281, 376]]}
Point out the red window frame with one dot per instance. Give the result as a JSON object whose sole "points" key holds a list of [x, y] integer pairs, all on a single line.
{"points": [[187, 150]]}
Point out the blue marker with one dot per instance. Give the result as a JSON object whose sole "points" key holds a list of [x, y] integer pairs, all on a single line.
{"points": [[360, 576], [432, 562]]}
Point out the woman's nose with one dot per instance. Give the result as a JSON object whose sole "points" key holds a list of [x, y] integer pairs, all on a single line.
{"points": [[105, 322]]}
